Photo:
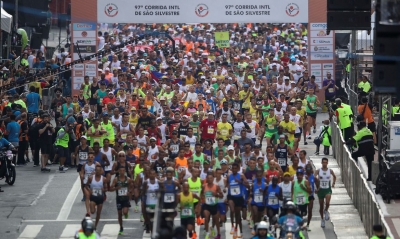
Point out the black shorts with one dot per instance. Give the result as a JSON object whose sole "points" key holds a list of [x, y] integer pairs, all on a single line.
{"points": [[97, 200], [297, 135], [311, 198], [33, 144], [62, 152], [79, 168], [238, 201], [312, 115], [213, 209], [187, 221], [259, 208], [45, 148], [303, 209], [372, 126], [92, 101], [274, 210], [330, 98], [122, 204]]}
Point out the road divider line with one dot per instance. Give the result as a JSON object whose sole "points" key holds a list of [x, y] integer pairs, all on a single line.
{"points": [[110, 231], [30, 231], [70, 230], [69, 201]]}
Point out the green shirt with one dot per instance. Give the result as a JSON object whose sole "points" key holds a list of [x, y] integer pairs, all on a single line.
{"points": [[313, 103]]}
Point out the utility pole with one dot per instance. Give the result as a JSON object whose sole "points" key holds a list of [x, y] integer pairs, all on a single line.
{"points": [[16, 14]]}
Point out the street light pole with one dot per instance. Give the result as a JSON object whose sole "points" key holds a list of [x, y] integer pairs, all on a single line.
{"points": [[16, 14]]}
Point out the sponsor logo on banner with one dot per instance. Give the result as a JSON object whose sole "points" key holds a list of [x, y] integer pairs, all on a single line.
{"points": [[316, 73], [321, 56], [318, 26], [79, 67], [201, 10], [327, 66], [320, 33], [84, 49], [322, 41], [78, 73], [84, 27], [78, 81], [76, 56], [84, 34], [85, 41], [90, 66], [315, 66], [111, 10], [91, 73], [327, 48], [292, 9]]}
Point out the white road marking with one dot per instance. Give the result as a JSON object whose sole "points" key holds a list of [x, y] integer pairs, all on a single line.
{"points": [[69, 201], [70, 230], [228, 227], [316, 230], [396, 224], [110, 231], [30, 231], [43, 190]]}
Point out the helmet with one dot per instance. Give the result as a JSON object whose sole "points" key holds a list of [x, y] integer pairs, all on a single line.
{"points": [[290, 206], [262, 225], [87, 225]]}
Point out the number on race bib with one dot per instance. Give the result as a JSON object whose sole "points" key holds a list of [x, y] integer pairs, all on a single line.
{"points": [[169, 197], [153, 195], [330, 90], [224, 132], [235, 190], [258, 198], [210, 130], [272, 200], [282, 161], [300, 199], [324, 184], [175, 149], [180, 169], [83, 155], [123, 192], [270, 126], [123, 136], [186, 212], [97, 192], [210, 200]]}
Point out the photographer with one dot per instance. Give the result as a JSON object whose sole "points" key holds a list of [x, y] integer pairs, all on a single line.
{"points": [[46, 131], [63, 136]]}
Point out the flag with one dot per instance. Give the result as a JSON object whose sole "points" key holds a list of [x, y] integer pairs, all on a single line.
{"points": [[156, 75]]}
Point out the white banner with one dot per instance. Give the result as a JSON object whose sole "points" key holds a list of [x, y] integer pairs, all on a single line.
{"points": [[321, 41], [211, 11], [85, 34], [315, 56], [85, 41], [321, 33], [324, 48]]}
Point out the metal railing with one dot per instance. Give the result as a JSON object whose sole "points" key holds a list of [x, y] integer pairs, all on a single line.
{"points": [[356, 185]]}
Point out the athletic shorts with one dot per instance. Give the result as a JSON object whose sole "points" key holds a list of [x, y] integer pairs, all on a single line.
{"points": [[107, 172], [123, 204], [62, 152], [221, 208], [213, 209], [274, 210], [150, 208], [372, 126], [79, 168], [45, 148], [312, 115], [323, 192], [187, 221], [303, 209], [237, 201], [311, 198], [96, 200], [259, 208]]}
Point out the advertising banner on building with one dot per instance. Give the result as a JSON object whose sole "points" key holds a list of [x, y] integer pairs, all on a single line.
{"points": [[321, 51], [234, 11]]}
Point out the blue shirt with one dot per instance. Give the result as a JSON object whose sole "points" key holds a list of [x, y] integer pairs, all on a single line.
{"points": [[4, 143], [13, 129], [282, 221], [32, 102]]}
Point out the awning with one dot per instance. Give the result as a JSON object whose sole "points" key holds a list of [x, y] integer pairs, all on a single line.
{"points": [[6, 21]]}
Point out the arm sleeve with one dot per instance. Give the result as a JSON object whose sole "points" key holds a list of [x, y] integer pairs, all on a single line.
{"points": [[60, 134]]}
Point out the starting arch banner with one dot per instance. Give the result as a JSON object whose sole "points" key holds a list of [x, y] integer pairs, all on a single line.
{"points": [[233, 11]]}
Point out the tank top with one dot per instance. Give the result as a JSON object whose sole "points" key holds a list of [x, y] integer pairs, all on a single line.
{"points": [[125, 128], [279, 113], [300, 196], [159, 167], [116, 121], [93, 90], [258, 197], [235, 189], [101, 95], [245, 158], [137, 170], [209, 198], [182, 131], [85, 91], [312, 100], [281, 155], [195, 187], [296, 120], [109, 157], [110, 131], [195, 126], [151, 192], [163, 134], [272, 197], [133, 120], [181, 164], [152, 132], [188, 174], [192, 141], [141, 140], [311, 179], [170, 192], [249, 174], [83, 154], [122, 193], [286, 191], [208, 153], [97, 187], [222, 186], [174, 148], [324, 179], [187, 204], [151, 154], [89, 169], [98, 158], [198, 158], [228, 113]]}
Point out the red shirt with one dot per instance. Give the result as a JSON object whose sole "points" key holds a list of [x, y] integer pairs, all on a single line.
{"points": [[270, 174], [189, 154], [107, 100], [209, 129]]}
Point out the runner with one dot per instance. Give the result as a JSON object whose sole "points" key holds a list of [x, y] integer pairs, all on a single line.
{"points": [[210, 192], [110, 153], [170, 189], [87, 170], [311, 178], [150, 189], [82, 154], [257, 198], [301, 191], [95, 190], [186, 200], [272, 196], [324, 189]]}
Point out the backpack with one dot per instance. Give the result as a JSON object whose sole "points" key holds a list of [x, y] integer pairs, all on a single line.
{"points": [[33, 130]]}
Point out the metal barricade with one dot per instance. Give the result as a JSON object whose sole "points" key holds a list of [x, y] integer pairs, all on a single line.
{"points": [[48, 94], [356, 185]]}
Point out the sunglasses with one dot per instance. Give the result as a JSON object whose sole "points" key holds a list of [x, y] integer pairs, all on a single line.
{"points": [[121, 155]]}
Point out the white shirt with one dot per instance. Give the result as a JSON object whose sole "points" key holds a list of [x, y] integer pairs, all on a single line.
{"points": [[191, 96]]}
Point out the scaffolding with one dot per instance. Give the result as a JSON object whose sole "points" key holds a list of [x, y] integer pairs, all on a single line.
{"points": [[385, 115]]}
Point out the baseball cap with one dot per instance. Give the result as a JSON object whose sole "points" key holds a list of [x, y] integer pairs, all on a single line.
{"points": [[300, 171], [282, 136], [224, 161], [210, 113], [133, 108], [159, 118], [152, 139], [84, 137], [230, 147], [208, 92], [105, 114]]}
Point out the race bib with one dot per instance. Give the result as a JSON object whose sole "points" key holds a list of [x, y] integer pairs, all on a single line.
{"points": [[152, 196], [272, 200], [83, 155], [300, 199], [132, 164], [235, 190], [258, 198], [183, 137], [236, 137], [254, 115], [224, 132], [331, 90], [195, 130], [245, 105], [196, 192], [97, 192], [186, 212], [210, 130], [145, 132], [169, 197], [96, 140], [312, 105], [175, 149], [282, 161], [123, 192], [210, 200], [270, 126], [180, 169], [123, 136], [324, 184]]}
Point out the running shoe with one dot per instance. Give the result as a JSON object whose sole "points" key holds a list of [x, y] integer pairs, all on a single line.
{"points": [[239, 236], [136, 208], [198, 221], [232, 230], [316, 153], [212, 230], [305, 143], [248, 216], [194, 235], [309, 136], [218, 237], [251, 224], [322, 223], [253, 232], [314, 130], [308, 228], [327, 215], [83, 199], [126, 215], [121, 231], [207, 236], [141, 217]]}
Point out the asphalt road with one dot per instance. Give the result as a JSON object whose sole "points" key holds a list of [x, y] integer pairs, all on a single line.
{"points": [[48, 206]]}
